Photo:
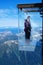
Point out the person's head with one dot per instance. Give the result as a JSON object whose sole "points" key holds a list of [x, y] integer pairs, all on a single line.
{"points": [[25, 20], [28, 18]]}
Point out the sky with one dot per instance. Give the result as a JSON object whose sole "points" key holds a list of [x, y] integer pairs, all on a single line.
{"points": [[9, 13]]}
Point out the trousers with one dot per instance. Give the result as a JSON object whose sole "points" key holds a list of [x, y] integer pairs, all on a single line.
{"points": [[27, 33]]}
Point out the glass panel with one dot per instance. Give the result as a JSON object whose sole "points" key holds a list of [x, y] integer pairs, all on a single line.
{"points": [[30, 50], [36, 31]]}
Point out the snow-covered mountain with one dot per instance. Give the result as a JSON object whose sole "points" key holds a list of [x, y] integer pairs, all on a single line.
{"points": [[10, 54]]}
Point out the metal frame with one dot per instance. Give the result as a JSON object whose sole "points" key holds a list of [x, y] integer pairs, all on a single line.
{"points": [[34, 5]]}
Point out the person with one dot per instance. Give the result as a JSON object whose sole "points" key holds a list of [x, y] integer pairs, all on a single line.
{"points": [[27, 28]]}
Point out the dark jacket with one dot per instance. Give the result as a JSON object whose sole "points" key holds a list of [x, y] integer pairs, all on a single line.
{"points": [[27, 26]]}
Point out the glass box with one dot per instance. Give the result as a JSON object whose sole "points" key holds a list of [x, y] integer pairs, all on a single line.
{"points": [[36, 30]]}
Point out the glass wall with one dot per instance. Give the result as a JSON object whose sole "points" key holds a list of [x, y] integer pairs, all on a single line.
{"points": [[30, 50], [36, 30]]}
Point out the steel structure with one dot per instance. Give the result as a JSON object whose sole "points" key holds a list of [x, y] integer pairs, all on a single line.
{"points": [[38, 7]]}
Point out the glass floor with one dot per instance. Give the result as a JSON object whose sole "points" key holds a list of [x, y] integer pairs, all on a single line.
{"points": [[26, 44], [30, 51]]}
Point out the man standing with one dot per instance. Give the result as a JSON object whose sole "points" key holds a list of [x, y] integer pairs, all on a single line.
{"points": [[27, 29]]}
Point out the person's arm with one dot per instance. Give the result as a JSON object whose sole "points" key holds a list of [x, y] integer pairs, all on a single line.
{"points": [[30, 25], [24, 24]]}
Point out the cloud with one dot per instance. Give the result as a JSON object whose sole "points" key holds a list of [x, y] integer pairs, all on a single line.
{"points": [[8, 22], [31, 14], [36, 24], [8, 13], [8, 17], [2, 13]]}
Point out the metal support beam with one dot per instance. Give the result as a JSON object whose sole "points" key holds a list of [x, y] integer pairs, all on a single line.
{"points": [[36, 5]]}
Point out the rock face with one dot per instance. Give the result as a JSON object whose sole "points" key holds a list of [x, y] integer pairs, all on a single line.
{"points": [[10, 54]]}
